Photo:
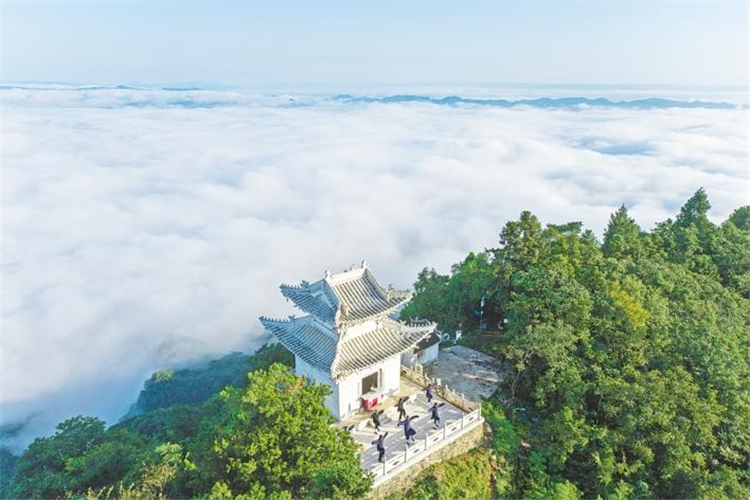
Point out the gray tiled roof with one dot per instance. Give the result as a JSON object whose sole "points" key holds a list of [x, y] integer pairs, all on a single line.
{"points": [[348, 297], [361, 297], [305, 338], [312, 299], [312, 342], [434, 338], [326, 340], [367, 349], [430, 340]]}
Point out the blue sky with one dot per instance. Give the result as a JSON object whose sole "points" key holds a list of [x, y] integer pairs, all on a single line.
{"points": [[240, 43]]}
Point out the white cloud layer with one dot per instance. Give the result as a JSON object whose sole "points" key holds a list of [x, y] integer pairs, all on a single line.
{"points": [[138, 235]]}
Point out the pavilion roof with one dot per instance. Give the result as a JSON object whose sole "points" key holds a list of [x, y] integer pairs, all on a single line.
{"points": [[389, 338], [340, 355], [306, 338], [316, 299], [348, 297]]}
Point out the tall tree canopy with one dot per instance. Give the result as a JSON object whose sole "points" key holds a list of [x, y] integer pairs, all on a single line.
{"points": [[277, 441], [628, 361], [628, 377], [272, 437]]}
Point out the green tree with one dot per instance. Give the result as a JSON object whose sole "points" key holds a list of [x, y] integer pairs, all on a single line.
{"points": [[622, 236], [430, 297], [278, 438], [740, 218], [115, 458], [733, 255], [196, 384], [628, 361], [44, 469], [695, 210], [8, 463], [521, 245], [153, 478], [470, 282], [521, 241]]}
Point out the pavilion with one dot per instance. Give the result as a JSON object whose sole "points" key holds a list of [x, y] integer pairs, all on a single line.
{"points": [[348, 340]]}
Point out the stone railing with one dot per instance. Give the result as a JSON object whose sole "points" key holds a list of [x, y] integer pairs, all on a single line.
{"points": [[452, 430], [454, 398]]}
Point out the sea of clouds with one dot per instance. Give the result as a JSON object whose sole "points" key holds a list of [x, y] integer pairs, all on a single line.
{"points": [[146, 227]]}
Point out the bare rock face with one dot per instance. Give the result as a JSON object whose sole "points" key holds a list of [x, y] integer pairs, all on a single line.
{"points": [[467, 371]]}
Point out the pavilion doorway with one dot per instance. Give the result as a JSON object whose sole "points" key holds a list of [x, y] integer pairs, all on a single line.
{"points": [[370, 382]]}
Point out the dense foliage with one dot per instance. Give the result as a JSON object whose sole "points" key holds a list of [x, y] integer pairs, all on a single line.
{"points": [[277, 441], [196, 384], [8, 463], [466, 476], [629, 360], [272, 437], [629, 377]]}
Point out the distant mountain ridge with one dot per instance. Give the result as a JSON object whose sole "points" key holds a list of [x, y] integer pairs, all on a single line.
{"points": [[541, 102], [187, 96]]}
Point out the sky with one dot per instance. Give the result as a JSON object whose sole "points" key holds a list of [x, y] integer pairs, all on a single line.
{"points": [[144, 227], [365, 43]]}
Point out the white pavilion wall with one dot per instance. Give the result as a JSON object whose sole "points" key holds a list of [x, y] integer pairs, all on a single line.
{"points": [[303, 368], [423, 357], [349, 392], [391, 380], [350, 387], [345, 398], [430, 354]]}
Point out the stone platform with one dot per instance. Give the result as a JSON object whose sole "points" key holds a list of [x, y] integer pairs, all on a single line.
{"points": [[398, 455]]}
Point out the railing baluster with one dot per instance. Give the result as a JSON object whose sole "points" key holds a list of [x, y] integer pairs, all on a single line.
{"points": [[473, 413]]}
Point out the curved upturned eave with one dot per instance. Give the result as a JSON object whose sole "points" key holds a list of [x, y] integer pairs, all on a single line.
{"points": [[304, 300], [305, 339], [368, 349]]}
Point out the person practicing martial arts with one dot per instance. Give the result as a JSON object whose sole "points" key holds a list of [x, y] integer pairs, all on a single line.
{"points": [[380, 444], [429, 393], [409, 431], [376, 419], [434, 415], [400, 406]]}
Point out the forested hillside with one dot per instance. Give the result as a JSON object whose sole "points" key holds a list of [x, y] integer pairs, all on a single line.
{"points": [[197, 384], [270, 436], [628, 378], [628, 359]]}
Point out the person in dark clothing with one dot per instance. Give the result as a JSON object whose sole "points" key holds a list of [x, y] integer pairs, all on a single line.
{"points": [[429, 393], [380, 444], [409, 431], [400, 406], [376, 419], [434, 415]]}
